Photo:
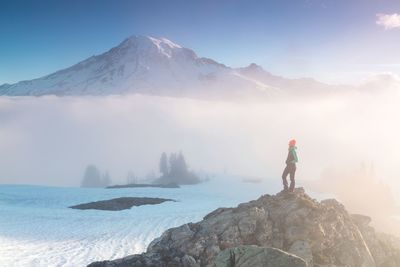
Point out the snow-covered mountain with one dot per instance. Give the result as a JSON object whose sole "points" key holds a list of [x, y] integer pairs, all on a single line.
{"points": [[297, 87], [148, 65]]}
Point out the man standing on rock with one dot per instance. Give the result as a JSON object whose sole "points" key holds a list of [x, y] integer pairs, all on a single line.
{"points": [[290, 167]]}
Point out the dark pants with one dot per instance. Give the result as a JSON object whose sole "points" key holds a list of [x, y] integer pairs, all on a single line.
{"points": [[290, 169]]}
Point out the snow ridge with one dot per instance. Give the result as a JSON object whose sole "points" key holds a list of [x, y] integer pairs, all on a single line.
{"points": [[156, 66]]}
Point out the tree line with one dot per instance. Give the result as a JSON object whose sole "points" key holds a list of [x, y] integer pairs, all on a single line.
{"points": [[94, 178], [173, 170]]}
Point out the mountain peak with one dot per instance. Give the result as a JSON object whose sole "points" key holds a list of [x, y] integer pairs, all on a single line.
{"points": [[254, 67], [142, 41], [164, 41], [151, 45]]}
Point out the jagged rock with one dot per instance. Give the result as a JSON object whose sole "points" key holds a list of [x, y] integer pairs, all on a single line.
{"points": [[361, 220], [245, 256], [189, 261], [322, 233], [384, 248], [141, 260]]}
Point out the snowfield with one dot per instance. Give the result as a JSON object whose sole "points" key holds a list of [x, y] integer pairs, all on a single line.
{"points": [[38, 229]]}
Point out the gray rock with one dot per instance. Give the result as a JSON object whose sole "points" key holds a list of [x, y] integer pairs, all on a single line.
{"points": [[189, 261], [384, 248], [246, 256], [302, 249], [322, 233], [361, 220], [121, 203]]}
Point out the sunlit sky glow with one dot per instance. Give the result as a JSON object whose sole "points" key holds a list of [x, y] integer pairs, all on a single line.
{"points": [[330, 40]]}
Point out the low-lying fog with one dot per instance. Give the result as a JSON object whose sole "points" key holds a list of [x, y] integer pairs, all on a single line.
{"points": [[341, 140]]}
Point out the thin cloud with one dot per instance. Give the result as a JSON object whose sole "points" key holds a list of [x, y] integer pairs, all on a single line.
{"points": [[389, 21]]}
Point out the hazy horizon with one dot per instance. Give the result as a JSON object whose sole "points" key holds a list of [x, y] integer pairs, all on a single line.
{"points": [[50, 140]]}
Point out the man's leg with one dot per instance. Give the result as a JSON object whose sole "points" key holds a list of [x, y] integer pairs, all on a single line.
{"points": [[284, 176], [292, 178]]}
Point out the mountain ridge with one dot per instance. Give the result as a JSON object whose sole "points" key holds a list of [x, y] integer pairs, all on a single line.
{"points": [[156, 66]]}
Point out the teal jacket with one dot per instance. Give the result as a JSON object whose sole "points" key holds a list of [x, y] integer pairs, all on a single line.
{"points": [[292, 155]]}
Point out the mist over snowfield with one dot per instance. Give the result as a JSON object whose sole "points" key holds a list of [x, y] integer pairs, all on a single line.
{"points": [[49, 140]]}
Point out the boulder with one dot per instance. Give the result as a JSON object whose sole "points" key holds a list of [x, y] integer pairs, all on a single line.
{"points": [[245, 256]]}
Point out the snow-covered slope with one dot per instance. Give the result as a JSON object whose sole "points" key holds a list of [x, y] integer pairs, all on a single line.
{"points": [[295, 87], [147, 65], [38, 229]]}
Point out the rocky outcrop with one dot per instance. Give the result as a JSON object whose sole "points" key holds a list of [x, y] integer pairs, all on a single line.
{"points": [[322, 233], [383, 247], [121, 203], [245, 256]]}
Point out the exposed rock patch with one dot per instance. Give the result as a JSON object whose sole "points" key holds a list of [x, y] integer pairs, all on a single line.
{"points": [[245, 256], [383, 247], [322, 233], [121, 203]]}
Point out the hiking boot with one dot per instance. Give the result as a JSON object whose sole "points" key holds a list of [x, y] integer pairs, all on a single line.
{"points": [[285, 190]]}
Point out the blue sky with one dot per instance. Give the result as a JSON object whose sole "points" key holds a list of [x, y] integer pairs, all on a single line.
{"points": [[330, 40]]}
